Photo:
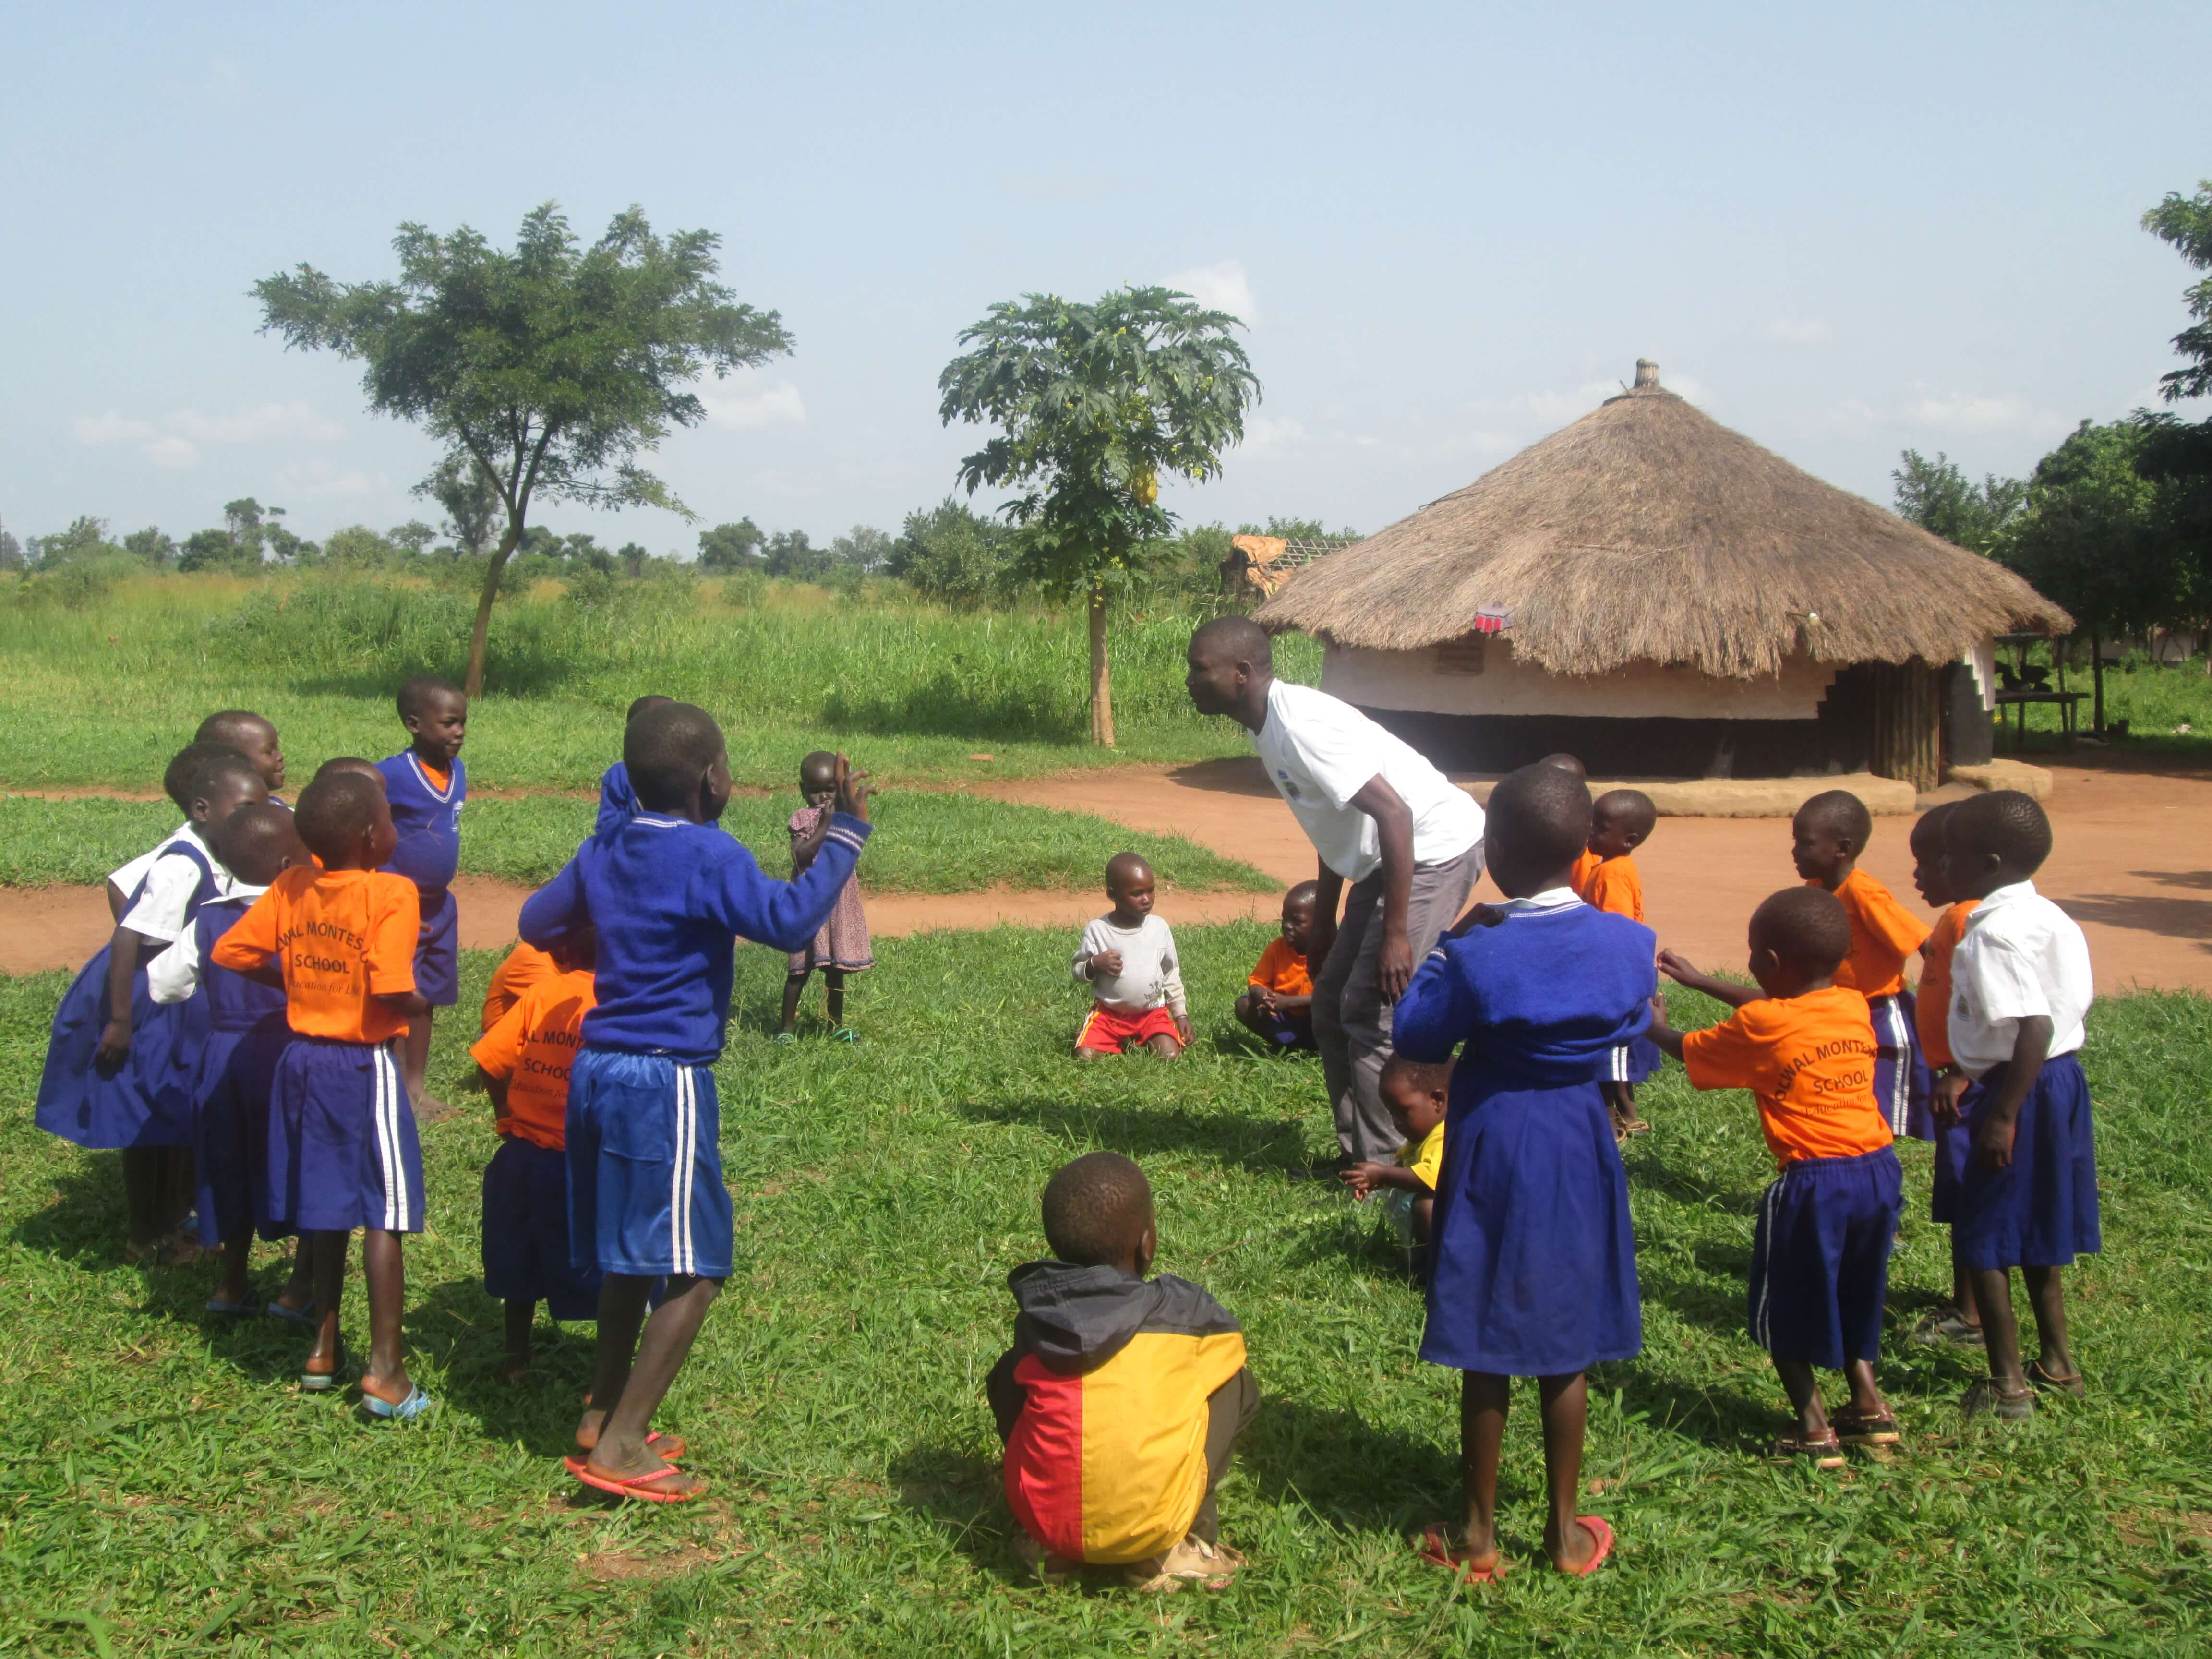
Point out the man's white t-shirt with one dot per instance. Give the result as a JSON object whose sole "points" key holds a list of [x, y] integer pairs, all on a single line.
{"points": [[2021, 957], [1319, 752]]}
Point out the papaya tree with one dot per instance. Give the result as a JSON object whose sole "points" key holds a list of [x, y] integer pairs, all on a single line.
{"points": [[1094, 404], [546, 371]]}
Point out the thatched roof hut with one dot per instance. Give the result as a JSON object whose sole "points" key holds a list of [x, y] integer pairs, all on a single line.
{"points": [[1646, 537]]}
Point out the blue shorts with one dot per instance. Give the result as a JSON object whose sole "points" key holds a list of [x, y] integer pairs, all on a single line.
{"points": [[1901, 1081], [1287, 1033], [2040, 1210], [438, 950], [527, 1256], [1633, 1062], [1820, 1261], [237, 1071], [1955, 1145], [341, 1152], [645, 1167]]}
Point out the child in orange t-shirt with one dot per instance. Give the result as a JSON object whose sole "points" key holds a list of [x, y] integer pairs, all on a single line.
{"points": [[1960, 1321], [1819, 1265], [523, 1064], [1826, 837], [1277, 1000], [1621, 820], [342, 1149], [526, 966]]}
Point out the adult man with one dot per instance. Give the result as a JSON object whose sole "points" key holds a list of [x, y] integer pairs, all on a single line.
{"points": [[1381, 818]]}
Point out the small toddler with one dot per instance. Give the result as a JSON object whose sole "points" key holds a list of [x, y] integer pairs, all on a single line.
{"points": [[1127, 958], [1277, 1000], [840, 946], [1417, 1096]]}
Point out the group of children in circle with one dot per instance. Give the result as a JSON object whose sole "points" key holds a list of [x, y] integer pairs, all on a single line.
{"points": [[252, 1041]]}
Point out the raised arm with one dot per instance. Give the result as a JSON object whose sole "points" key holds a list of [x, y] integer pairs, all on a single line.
{"points": [[1720, 990], [555, 909], [783, 915]]}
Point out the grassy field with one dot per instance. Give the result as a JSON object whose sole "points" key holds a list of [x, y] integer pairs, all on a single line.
{"points": [[2167, 707], [104, 694], [938, 842], [168, 1491]]}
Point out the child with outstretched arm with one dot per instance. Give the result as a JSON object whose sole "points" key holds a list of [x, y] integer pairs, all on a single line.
{"points": [[2020, 989], [1532, 1193], [1417, 1096], [341, 1148], [1958, 1322], [426, 786], [1278, 1001], [668, 894], [1123, 1397], [840, 946], [1819, 1259], [1127, 959]]}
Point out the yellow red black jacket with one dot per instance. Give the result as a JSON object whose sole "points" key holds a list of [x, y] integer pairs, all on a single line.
{"points": [[1106, 1461]]}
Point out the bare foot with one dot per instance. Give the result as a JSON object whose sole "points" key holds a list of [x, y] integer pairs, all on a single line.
{"points": [[393, 1390], [430, 1109]]}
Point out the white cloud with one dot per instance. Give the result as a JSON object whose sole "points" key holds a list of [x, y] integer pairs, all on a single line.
{"points": [[1963, 413], [1797, 330], [1225, 287], [320, 478], [167, 449], [175, 441], [776, 404], [109, 429], [1262, 434]]}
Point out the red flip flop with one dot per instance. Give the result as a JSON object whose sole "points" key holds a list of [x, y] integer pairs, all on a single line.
{"points": [[640, 1486], [1597, 1528], [1435, 1548]]}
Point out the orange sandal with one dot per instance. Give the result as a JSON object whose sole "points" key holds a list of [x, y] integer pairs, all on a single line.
{"points": [[1435, 1548], [640, 1486]]}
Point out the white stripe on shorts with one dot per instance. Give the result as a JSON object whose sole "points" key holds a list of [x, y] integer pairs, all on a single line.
{"points": [[1899, 1041], [679, 1191], [385, 1120], [1762, 1272]]}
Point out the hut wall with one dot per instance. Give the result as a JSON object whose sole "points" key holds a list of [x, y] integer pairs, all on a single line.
{"points": [[1481, 677]]}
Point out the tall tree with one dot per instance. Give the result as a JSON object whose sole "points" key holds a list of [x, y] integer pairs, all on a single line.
{"points": [[2177, 455], [1094, 402], [552, 368], [730, 546], [470, 498], [1942, 499]]}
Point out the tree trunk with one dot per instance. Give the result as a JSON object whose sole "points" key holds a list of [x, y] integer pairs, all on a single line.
{"points": [[472, 686], [1102, 676], [2097, 680]]}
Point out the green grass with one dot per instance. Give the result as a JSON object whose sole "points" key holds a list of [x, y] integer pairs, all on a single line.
{"points": [[2157, 700], [168, 1491], [104, 695], [935, 842]]}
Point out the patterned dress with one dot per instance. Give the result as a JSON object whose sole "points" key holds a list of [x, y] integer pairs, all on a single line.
{"points": [[842, 944]]}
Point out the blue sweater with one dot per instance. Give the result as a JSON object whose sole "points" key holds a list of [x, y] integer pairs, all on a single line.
{"points": [[429, 822], [618, 800], [669, 899]]}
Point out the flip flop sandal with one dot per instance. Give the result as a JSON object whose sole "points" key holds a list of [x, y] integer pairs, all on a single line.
{"points": [[1597, 1528], [1856, 1431], [417, 1404], [640, 1486], [667, 1447], [1435, 1546], [247, 1307], [304, 1316], [1948, 1328], [1986, 1398], [2038, 1377], [1827, 1454], [325, 1382], [844, 1034], [784, 1037]]}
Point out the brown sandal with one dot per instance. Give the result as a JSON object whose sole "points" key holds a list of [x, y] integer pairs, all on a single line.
{"points": [[2039, 1378], [1854, 1430], [1825, 1453]]}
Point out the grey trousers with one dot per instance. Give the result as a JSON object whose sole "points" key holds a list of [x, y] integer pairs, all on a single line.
{"points": [[1351, 1017]]}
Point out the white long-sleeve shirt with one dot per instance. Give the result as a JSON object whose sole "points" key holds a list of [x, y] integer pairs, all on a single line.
{"points": [[1151, 977]]}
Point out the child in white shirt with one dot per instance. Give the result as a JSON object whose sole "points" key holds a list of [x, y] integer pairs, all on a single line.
{"points": [[1127, 958]]}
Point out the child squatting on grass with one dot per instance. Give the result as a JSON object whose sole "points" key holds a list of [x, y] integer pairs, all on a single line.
{"points": [[1127, 958], [1417, 1096], [1123, 1397], [1276, 1003], [1819, 1259], [840, 946]]}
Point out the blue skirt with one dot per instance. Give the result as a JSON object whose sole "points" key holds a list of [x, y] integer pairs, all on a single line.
{"points": [[526, 1255], [237, 1071], [341, 1149], [144, 1102], [1902, 1082], [1819, 1261], [1533, 1264], [2040, 1210]]}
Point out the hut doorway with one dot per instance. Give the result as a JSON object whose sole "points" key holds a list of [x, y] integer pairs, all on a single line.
{"points": [[1907, 740]]}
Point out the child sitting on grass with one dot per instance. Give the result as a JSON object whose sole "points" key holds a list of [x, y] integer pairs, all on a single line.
{"points": [[342, 1149], [840, 946], [1417, 1096], [1621, 820], [2020, 988], [426, 787], [1277, 1000], [523, 1064], [1127, 958], [1958, 1321], [1819, 1258], [1123, 1397]]}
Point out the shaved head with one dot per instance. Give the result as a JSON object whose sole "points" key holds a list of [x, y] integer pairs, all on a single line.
{"points": [[1096, 1210], [2004, 821], [1239, 638], [1124, 870], [1839, 814], [1568, 764], [1539, 822], [1807, 928], [257, 841]]}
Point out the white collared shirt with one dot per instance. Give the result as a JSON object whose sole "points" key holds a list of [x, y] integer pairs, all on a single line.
{"points": [[2020, 958], [170, 883], [172, 975]]}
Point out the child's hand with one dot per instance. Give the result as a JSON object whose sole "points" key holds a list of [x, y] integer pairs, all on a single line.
{"points": [[1107, 963], [1943, 1101], [1672, 964], [1993, 1143], [1363, 1179], [114, 1045], [1265, 1000], [1182, 1026], [1482, 915], [853, 790]]}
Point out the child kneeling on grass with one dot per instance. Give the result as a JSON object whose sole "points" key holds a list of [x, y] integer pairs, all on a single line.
{"points": [[523, 1064], [1123, 1397], [1804, 1046], [1127, 958], [1417, 1097]]}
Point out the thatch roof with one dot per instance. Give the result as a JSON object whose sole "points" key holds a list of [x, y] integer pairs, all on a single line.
{"points": [[1647, 531]]}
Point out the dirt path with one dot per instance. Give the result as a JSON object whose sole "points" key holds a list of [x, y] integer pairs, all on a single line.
{"points": [[2133, 867]]}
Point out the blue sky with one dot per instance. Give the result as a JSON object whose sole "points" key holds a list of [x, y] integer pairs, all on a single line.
{"points": [[1451, 229]]}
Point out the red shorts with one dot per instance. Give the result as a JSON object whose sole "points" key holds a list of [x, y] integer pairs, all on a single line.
{"points": [[1108, 1033]]}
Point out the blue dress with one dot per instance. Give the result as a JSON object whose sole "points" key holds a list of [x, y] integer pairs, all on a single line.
{"points": [[244, 1033], [429, 853], [147, 1101], [1533, 1268]]}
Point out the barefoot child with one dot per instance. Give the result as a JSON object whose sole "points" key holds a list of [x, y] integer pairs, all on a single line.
{"points": [[667, 895], [1621, 821], [2020, 988], [1417, 1097], [1277, 1000], [1532, 1192], [1826, 837], [1819, 1259], [1958, 1322], [522, 1063], [427, 785], [1123, 1397], [841, 947], [342, 1149], [1127, 958]]}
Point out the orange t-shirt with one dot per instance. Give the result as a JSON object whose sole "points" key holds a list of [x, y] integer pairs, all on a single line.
{"points": [[1579, 877], [1932, 1008], [1282, 970], [525, 965], [342, 937], [1883, 933], [439, 780], [531, 1048], [1809, 1062], [1615, 885]]}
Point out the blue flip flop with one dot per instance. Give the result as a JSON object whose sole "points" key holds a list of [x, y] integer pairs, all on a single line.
{"points": [[417, 1404], [245, 1307], [305, 1316]]}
